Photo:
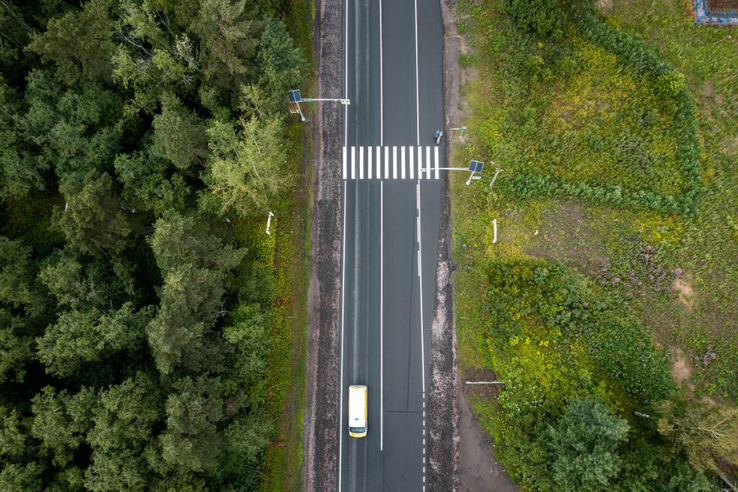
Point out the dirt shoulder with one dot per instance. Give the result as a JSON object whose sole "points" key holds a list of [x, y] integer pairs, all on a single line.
{"points": [[321, 427]]}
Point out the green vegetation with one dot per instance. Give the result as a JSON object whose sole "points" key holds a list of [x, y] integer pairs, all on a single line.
{"points": [[149, 329], [590, 313]]}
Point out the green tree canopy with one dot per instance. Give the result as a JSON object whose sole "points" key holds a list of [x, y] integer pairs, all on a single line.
{"points": [[707, 433], [61, 421], [179, 135], [94, 221], [90, 336], [79, 43], [247, 170], [122, 433], [195, 268], [583, 445]]}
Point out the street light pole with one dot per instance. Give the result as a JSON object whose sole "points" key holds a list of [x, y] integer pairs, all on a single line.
{"points": [[294, 99]]}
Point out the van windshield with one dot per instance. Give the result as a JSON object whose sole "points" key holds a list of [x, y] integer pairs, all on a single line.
{"points": [[357, 430]]}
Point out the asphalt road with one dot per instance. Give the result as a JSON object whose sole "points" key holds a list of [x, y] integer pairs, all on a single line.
{"points": [[394, 79]]}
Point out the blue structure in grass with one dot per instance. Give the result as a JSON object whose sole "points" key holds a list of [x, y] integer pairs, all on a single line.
{"points": [[703, 14]]}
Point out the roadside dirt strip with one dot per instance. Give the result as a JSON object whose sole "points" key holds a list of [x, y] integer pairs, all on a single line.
{"points": [[443, 412], [320, 470]]}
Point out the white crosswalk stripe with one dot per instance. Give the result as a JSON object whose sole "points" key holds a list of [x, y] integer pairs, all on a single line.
{"points": [[391, 162]]}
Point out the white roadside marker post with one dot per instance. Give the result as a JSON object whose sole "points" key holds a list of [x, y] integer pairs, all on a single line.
{"points": [[269, 221]]}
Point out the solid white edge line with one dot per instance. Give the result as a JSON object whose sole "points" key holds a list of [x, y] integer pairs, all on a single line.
{"points": [[345, 168], [343, 264], [345, 82], [417, 83], [343, 296], [420, 284], [381, 80], [381, 315]]}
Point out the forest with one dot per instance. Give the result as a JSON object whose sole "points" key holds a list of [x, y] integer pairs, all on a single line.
{"points": [[141, 145]]}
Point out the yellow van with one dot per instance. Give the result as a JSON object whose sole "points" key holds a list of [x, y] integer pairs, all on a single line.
{"points": [[357, 410]]}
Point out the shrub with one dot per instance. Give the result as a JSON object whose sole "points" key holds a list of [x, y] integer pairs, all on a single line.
{"points": [[539, 17]]}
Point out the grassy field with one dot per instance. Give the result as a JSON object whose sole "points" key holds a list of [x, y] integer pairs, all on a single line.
{"points": [[575, 113]]}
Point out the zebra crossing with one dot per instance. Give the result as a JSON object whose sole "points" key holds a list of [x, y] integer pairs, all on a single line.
{"points": [[391, 162]]}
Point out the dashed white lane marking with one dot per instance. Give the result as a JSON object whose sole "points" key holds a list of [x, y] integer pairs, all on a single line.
{"points": [[395, 161]]}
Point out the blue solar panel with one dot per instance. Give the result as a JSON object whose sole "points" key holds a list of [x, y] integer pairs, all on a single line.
{"points": [[476, 166], [294, 96]]}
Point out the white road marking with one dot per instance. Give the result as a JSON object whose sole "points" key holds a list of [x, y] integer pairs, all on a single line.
{"points": [[402, 160], [381, 80], [420, 162], [353, 162], [379, 158], [420, 284], [417, 84], [427, 162], [343, 241], [367, 162], [411, 151], [361, 163], [345, 169], [343, 295], [381, 315], [386, 162]]}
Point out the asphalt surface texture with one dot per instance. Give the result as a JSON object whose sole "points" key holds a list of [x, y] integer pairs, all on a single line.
{"points": [[394, 79]]}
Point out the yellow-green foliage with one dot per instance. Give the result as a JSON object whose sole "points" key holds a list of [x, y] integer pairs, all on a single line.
{"points": [[591, 114]]}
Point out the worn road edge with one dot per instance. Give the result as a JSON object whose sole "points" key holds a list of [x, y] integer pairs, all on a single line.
{"points": [[320, 461], [443, 411]]}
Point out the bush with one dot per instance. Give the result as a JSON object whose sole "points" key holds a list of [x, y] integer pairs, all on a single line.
{"points": [[539, 17]]}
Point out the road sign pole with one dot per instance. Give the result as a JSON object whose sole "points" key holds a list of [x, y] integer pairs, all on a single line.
{"points": [[299, 110]]}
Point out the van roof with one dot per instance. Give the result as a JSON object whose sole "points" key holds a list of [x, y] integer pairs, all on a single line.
{"points": [[357, 405]]}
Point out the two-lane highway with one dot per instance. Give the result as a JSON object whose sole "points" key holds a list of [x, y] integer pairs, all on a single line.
{"points": [[393, 76]]}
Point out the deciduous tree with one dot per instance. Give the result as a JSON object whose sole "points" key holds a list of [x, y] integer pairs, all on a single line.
{"points": [[249, 168], [584, 444], [707, 433]]}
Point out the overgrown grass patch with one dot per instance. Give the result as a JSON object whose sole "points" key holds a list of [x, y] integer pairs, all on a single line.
{"points": [[580, 115], [655, 266]]}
